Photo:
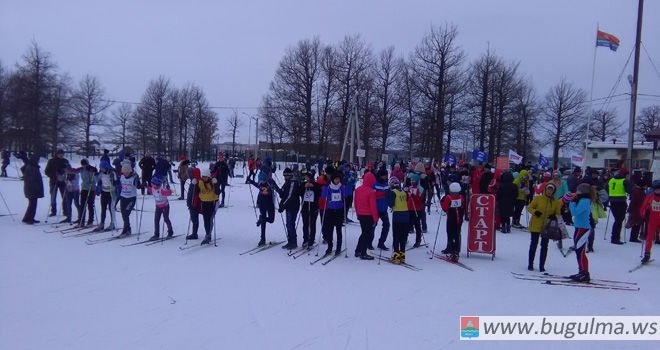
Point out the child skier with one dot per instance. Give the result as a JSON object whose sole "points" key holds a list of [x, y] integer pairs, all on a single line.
{"points": [[454, 206], [105, 186], [651, 209], [581, 211], [71, 194], [415, 200], [130, 183], [397, 199], [87, 191], [266, 187], [160, 192], [193, 202], [382, 189], [334, 194], [208, 194], [290, 201], [310, 194], [367, 213]]}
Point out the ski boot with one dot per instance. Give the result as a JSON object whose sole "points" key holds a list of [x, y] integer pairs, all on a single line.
{"points": [[402, 257], [583, 277], [67, 220], [110, 228], [328, 251], [445, 251], [154, 238], [453, 257], [395, 258], [125, 233], [646, 258], [192, 236], [170, 234], [383, 247], [261, 243], [366, 256], [416, 245], [99, 228], [207, 240]]}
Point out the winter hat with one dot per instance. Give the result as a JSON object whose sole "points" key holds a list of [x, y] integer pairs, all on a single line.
{"points": [[547, 175], [310, 174], [452, 178], [195, 174], [656, 184], [516, 175], [394, 181], [59, 151], [583, 188], [205, 172], [551, 185], [287, 172], [182, 158], [156, 181], [415, 178], [84, 162], [329, 170], [336, 175], [454, 187], [381, 173], [126, 168], [567, 197], [105, 164]]}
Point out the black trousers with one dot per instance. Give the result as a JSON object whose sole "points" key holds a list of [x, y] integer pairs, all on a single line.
{"points": [[453, 237], [31, 210], [367, 235], [55, 186], [399, 236], [619, 212], [416, 223], [385, 219], [333, 221], [267, 215], [222, 191], [532, 249], [4, 169], [87, 200], [194, 218], [309, 224], [517, 210], [127, 205], [106, 203], [208, 212]]}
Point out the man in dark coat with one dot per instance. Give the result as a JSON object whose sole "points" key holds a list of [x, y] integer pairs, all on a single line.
{"points": [[5, 162], [222, 174], [147, 164], [55, 170], [33, 187], [573, 180], [485, 179], [506, 200]]}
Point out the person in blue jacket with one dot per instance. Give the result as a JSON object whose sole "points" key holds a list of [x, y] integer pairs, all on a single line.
{"points": [[581, 211], [382, 189], [335, 195], [266, 187], [349, 183]]}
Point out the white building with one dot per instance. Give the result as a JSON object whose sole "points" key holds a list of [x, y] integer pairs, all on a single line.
{"points": [[611, 153]]}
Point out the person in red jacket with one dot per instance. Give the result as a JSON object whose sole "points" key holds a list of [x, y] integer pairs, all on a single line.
{"points": [[454, 206], [415, 200], [367, 213], [476, 177], [651, 209]]}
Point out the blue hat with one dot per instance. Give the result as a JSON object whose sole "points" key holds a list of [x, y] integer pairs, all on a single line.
{"points": [[415, 178], [156, 181], [105, 164], [261, 176]]}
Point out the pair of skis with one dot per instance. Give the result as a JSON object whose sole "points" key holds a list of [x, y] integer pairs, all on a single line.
{"points": [[559, 280], [406, 265], [302, 251], [328, 258], [190, 246], [150, 242], [641, 265], [449, 260], [259, 249]]}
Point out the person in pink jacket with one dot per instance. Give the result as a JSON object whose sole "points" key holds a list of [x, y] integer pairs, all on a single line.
{"points": [[397, 172], [367, 213], [160, 194]]}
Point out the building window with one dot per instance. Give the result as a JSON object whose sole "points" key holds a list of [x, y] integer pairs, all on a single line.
{"points": [[594, 155]]}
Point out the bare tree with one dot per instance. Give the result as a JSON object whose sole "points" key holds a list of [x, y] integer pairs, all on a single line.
{"points": [[648, 120], [563, 112], [233, 124], [605, 125], [387, 73], [153, 110], [89, 103], [117, 130], [525, 114]]}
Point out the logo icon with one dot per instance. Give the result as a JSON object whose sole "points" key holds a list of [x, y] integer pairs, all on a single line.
{"points": [[469, 327]]}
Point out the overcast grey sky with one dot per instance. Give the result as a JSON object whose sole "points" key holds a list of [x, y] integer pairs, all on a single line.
{"points": [[231, 48]]}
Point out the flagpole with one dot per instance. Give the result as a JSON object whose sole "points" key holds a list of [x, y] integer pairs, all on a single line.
{"points": [[591, 96]]}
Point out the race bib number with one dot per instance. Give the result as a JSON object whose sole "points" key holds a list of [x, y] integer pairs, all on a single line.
{"points": [[105, 181], [336, 197], [456, 203], [309, 196]]}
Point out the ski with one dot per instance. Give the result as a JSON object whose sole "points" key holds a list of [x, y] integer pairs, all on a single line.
{"points": [[420, 246], [406, 265], [442, 257], [640, 266], [186, 247], [321, 258], [333, 257], [567, 278], [163, 240], [267, 246], [138, 242], [82, 234], [107, 239], [589, 285], [304, 251], [251, 250]]}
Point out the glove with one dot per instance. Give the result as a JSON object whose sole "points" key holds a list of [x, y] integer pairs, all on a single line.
{"points": [[538, 213], [194, 181], [552, 217], [280, 210], [214, 180]]}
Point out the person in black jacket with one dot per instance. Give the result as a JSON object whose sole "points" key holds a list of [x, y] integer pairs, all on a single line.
{"points": [[55, 170], [506, 200], [33, 186], [486, 178], [222, 174], [5, 162], [290, 201], [310, 194], [147, 164]]}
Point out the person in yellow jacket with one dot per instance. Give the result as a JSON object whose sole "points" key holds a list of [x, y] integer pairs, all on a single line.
{"points": [[208, 194], [522, 181], [543, 208]]}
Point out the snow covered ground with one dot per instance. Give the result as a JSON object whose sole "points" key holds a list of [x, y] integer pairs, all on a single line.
{"points": [[59, 293]]}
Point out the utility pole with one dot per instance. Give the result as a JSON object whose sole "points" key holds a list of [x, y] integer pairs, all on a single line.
{"points": [[633, 83]]}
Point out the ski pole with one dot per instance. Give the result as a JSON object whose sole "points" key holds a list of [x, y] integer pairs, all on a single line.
{"points": [[8, 210], [215, 237], [254, 206], [346, 233], [188, 229], [607, 224], [140, 222], [52, 194], [436, 236]]}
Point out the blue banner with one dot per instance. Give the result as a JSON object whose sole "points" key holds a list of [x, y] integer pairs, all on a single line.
{"points": [[480, 155], [543, 161], [449, 159]]}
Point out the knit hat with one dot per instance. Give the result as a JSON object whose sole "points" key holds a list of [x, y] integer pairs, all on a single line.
{"points": [[381, 173], [547, 174], [126, 168], [567, 197], [394, 181], [583, 188], [261, 176], [415, 178], [454, 187], [182, 158], [156, 181], [287, 172]]}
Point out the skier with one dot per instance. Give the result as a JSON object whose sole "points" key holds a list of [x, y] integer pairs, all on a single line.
{"points": [[397, 199], [618, 188], [55, 170], [310, 194], [334, 194], [222, 174], [33, 186], [232, 166], [367, 213], [415, 198], [651, 209], [581, 210], [506, 199], [290, 202], [147, 165], [543, 208], [87, 191], [130, 183], [349, 183], [106, 188], [71, 195], [5, 162], [160, 191], [208, 194], [266, 187], [635, 220], [105, 155], [454, 205], [251, 168], [193, 202], [182, 173], [382, 189], [573, 180], [562, 188]]}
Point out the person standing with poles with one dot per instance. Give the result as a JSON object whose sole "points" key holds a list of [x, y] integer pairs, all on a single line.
{"points": [[382, 189], [618, 189], [106, 188], [55, 170], [397, 199], [33, 186], [454, 205], [147, 164], [310, 194], [367, 213], [129, 184], [182, 174], [87, 192], [6, 156], [208, 194], [222, 174]]}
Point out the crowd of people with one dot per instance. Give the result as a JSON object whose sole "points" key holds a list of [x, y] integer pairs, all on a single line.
{"points": [[328, 190]]}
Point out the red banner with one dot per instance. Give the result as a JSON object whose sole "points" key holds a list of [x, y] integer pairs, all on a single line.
{"points": [[481, 237]]}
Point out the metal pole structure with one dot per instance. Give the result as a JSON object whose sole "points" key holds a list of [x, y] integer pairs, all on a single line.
{"points": [[343, 146], [350, 156], [591, 99], [633, 95], [357, 132], [256, 138]]}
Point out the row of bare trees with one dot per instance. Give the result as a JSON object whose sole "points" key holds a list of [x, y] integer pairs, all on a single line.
{"points": [[41, 109]]}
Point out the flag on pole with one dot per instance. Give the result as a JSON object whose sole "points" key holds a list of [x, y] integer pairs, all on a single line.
{"points": [[543, 161], [607, 40], [449, 159], [577, 159], [514, 157], [479, 155]]}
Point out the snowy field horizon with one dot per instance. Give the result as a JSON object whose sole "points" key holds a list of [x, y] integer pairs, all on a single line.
{"points": [[57, 292]]}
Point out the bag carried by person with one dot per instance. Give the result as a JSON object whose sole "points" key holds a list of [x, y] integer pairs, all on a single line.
{"points": [[554, 230]]}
